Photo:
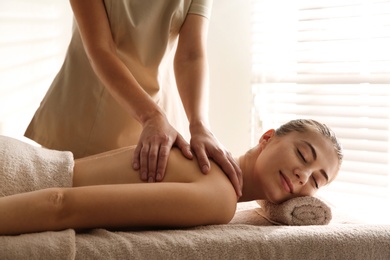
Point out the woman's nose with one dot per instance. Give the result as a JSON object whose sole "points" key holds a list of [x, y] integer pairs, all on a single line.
{"points": [[302, 175]]}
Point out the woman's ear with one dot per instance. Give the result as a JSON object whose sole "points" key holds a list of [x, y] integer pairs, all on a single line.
{"points": [[266, 137]]}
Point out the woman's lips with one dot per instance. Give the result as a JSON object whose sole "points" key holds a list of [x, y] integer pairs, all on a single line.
{"points": [[286, 183]]}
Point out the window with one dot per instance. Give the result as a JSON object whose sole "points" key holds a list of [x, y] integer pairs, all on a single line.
{"points": [[33, 40], [329, 60]]}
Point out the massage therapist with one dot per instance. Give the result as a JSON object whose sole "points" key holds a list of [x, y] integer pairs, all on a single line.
{"points": [[130, 69]]}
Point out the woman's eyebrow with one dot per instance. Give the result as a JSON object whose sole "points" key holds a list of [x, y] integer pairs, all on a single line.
{"points": [[325, 175], [313, 151]]}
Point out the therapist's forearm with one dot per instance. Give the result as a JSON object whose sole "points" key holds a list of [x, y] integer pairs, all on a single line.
{"points": [[124, 87], [192, 79], [99, 45]]}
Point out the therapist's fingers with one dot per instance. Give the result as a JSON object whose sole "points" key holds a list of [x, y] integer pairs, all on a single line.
{"points": [[153, 149], [140, 160], [227, 163], [151, 157], [205, 147], [202, 157], [234, 173], [136, 161], [229, 166], [151, 160], [184, 146], [161, 162]]}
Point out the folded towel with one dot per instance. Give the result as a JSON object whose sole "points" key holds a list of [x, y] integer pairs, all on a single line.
{"points": [[298, 211], [24, 167]]}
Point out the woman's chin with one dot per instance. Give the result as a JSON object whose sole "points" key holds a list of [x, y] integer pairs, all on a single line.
{"points": [[277, 198]]}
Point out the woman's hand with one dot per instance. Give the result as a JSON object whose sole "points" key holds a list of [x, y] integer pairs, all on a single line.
{"points": [[205, 146], [153, 148]]}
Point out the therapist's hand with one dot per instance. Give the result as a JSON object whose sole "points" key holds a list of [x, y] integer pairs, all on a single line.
{"points": [[205, 146], [153, 148]]}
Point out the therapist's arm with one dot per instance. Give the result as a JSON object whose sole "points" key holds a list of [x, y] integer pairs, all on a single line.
{"points": [[192, 77]]}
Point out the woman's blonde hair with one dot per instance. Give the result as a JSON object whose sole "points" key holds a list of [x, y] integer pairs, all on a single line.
{"points": [[304, 125]]}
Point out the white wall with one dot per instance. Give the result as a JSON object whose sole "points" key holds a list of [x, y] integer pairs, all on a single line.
{"points": [[34, 36], [230, 73]]}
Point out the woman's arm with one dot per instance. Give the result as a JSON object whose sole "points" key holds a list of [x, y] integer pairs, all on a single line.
{"points": [[117, 206]]}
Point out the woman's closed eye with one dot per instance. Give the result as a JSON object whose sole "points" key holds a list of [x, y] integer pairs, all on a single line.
{"points": [[301, 155], [315, 182], [305, 161]]}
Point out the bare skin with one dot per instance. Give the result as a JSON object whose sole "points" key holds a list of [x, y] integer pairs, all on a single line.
{"points": [[108, 193]]}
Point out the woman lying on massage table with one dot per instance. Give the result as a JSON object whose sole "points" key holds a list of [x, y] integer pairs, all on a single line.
{"points": [[295, 160]]}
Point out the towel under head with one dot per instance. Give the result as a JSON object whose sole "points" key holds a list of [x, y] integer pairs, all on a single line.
{"points": [[296, 212]]}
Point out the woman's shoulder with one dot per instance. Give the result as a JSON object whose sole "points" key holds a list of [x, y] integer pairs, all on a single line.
{"points": [[188, 170], [214, 190], [181, 169]]}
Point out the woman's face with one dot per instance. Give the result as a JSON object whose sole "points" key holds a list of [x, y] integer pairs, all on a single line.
{"points": [[293, 165]]}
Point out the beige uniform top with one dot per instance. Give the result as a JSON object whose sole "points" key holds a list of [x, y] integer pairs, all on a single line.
{"points": [[79, 115]]}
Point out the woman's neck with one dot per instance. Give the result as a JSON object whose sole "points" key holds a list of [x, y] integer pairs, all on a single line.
{"points": [[247, 162]]}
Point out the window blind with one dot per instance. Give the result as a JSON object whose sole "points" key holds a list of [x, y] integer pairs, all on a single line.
{"points": [[33, 40], [328, 60]]}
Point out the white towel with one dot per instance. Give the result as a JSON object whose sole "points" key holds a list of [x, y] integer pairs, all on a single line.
{"points": [[24, 167], [296, 212]]}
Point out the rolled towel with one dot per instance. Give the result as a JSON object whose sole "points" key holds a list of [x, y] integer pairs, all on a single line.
{"points": [[298, 211], [24, 167]]}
